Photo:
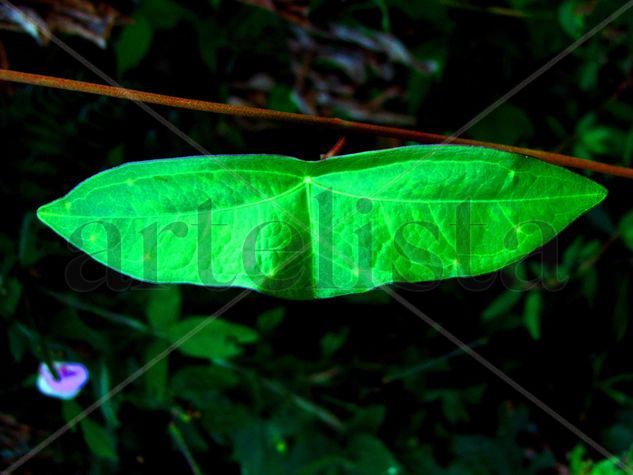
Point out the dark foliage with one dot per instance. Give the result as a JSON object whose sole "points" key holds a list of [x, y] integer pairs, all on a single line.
{"points": [[354, 385]]}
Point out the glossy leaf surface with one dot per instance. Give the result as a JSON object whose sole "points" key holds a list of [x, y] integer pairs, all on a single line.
{"points": [[305, 230]]}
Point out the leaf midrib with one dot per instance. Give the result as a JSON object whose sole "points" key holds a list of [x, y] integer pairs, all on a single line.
{"points": [[336, 192], [442, 200]]}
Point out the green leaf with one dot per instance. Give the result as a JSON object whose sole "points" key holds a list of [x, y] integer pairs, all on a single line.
{"points": [[70, 409], [304, 230], [502, 304], [372, 457], [163, 308], [282, 98], [156, 376], [589, 284], [597, 139], [99, 440], [133, 44], [532, 313], [29, 250], [108, 407], [332, 342], [571, 17], [589, 74], [270, 319], [209, 42], [578, 465], [576, 462], [208, 337]]}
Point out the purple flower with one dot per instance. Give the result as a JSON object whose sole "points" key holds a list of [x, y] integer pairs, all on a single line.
{"points": [[73, 377]]}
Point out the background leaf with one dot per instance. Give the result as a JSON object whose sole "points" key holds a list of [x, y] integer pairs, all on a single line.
{"points": [[132, 45], [532, 314], [215, 339], [163, 308]]}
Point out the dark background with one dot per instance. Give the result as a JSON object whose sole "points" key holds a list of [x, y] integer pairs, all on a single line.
{"points": [[348, 385]]}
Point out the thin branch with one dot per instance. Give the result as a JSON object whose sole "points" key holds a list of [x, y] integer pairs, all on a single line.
{"points": [[338, 146], [290, 117]]}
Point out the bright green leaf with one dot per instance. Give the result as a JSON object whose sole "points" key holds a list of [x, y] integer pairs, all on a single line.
{"points": [[305, 230]]}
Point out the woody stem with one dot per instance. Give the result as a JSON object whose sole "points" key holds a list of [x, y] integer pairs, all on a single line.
{"points": [[342, 125]]}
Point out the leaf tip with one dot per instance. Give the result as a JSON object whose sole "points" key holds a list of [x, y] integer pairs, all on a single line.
{"points": [[42, 213], [47, 212]]}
